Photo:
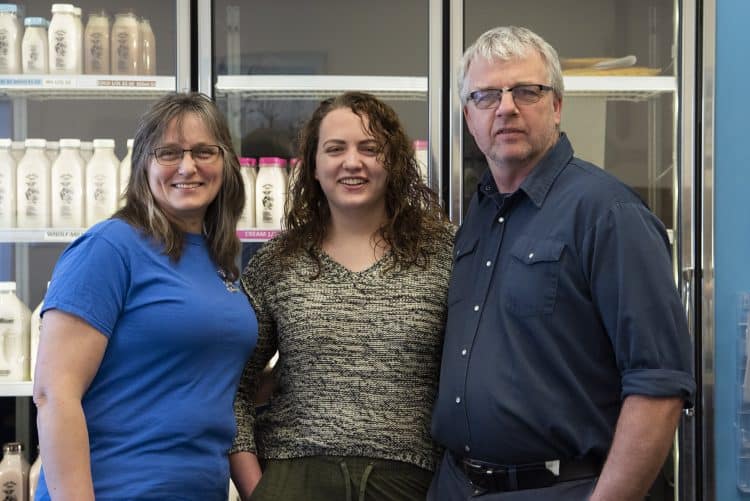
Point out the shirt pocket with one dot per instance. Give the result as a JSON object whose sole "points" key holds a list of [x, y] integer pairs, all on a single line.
{"points": [[462, 278], [532, 276]]}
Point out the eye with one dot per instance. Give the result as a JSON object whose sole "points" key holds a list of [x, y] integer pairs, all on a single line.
{"points": [[203, 153], [168, 154]]}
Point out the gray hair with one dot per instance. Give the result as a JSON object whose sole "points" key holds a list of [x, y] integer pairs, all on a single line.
{"points": [[141, 208], [510, 42]]}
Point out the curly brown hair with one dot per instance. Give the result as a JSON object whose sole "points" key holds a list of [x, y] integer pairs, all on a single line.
{"points": [[414, 215]]}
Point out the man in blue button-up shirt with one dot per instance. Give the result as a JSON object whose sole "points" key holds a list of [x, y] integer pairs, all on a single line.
{"points": [[566, 360]]}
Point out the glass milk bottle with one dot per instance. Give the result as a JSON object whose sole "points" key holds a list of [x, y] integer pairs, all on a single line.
{"points": [[34, 47], [64, 40], [67, 186], [10, 34], [247, 171], [270, 193], [96, 47], [148, 48], [33, 186], [101, 182], [35, 328], [79, 36], [34, 472], [421, 154], [14, 335], [7, 185], [125, 168], [14, 473], [125, 44]]}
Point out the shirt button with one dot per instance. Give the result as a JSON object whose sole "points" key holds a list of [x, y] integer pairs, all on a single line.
{"points": [[464, 352], [458, 400], [531, 255], [501, 219], [488, 264], [467, 448], [476, 307]]}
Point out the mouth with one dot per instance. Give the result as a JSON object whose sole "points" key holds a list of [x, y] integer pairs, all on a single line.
{"points": [[186, 186], [508, 130], [352, 181]]}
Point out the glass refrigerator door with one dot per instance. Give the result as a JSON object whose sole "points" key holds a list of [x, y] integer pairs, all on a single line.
{"points": [[627, 107], [81, 103], [274, 61]]}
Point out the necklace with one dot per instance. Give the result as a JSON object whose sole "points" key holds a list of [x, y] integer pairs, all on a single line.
{"points": [[231, 287]]}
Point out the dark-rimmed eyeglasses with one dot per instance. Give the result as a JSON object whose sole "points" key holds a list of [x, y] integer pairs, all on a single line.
{"points": [[169, 156], [485, 99]]}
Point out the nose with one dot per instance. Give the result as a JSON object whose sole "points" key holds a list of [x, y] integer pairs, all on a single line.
{"points": [[506, 106], [352, 159], [187, 165]]}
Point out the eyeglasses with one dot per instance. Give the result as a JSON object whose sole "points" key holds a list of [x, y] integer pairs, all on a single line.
{"points": [[485, 99], [169, 156]]}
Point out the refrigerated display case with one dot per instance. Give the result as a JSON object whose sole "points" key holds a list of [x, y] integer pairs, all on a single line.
{"points": [[268, 64], [86, 106]]}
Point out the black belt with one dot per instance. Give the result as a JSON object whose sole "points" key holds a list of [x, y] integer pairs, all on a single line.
{"points": [[490, 477]]}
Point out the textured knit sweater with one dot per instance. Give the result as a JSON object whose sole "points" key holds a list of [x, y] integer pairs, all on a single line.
{"points": [[359, 357]]}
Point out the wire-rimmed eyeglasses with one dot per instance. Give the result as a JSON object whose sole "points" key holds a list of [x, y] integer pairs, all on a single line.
{"points": [[485, 99], [169, 156]]}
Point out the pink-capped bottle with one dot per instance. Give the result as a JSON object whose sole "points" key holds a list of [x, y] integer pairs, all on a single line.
{"points": [[421, 153], [247, 171]]}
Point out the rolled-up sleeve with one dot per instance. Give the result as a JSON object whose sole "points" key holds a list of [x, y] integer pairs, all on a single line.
{"points": [[629, 265]]}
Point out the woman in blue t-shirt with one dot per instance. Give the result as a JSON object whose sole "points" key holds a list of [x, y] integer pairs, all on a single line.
{"points": [[144, 332]]}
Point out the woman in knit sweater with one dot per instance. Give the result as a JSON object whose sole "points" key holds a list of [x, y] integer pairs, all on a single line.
{"points": [[353, 295]]}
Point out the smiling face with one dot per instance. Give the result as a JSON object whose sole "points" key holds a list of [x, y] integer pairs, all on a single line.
{"points": [[347, 166], [513, 137], [184, 191]]}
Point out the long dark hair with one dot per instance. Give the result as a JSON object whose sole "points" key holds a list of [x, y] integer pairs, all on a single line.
{"points": [[414, 215], [141, 209]]}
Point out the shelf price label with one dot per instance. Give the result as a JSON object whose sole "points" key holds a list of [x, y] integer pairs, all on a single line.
{"points": [[61, 235], [257, 235]]}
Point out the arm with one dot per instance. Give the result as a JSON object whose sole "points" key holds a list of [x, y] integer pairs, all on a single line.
{"points": [[70, 352], [243, 461], [245, 471], [644, 433]]}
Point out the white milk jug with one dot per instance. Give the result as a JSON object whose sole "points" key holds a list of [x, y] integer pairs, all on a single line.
{"points": [[14, 473], [64, 40], [34, 472], [96, 48], [7, 185], [148, 48], [125, 168], [33, 186], [270, 193], [125, 44], [101, 182], [67, 186], [35, 328], [10, 34], [247, 171], [35, 45], [14, 335]]}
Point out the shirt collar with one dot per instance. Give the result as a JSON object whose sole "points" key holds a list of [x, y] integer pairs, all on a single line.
{"points": [[539, 181]]}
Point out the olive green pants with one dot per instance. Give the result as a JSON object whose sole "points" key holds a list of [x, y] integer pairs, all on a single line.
{"points": [[336, 478]]}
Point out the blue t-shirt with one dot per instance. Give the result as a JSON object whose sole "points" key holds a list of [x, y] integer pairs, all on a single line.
{"points": [[159, 410]]}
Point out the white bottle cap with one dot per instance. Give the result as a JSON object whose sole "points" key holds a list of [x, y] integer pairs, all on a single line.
{"points": [[104, 143], [7, 286], [77, 11], [8, 8], [70, 143], [35, 143], [36, 22], [6, 143], [67, 8], [129, 143]]}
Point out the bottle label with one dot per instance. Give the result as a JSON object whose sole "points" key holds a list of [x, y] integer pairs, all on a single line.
{"points": [[61, 48], [96, 51], [32, 195], [100, 191], [32, 62], [66, 195], [123, 52], [10, 489], [267, 215], [4, 48]]}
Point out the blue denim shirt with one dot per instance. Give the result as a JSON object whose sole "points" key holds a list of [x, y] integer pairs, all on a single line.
{"points": [[562, 303]]}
